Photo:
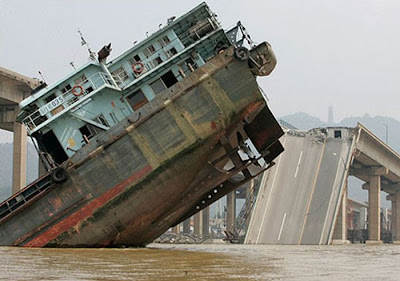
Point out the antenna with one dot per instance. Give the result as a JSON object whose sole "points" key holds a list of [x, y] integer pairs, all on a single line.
{"points": [[72, 64], [92, 55], [42, 76]]}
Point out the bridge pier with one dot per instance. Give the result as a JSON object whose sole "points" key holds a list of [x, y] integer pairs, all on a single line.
{"points": [[374, 210], [395, 218], [340, 233], [202, 222], [197, 223], [392, 198], [186, 226], [230, 210], [206, 222], [19, 157]]}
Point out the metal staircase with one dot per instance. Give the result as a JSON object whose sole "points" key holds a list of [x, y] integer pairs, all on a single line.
{"points": [[239, 230], [26, 196]]}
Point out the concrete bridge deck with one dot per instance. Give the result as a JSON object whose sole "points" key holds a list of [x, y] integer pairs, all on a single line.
{"points": [[302, 199]]}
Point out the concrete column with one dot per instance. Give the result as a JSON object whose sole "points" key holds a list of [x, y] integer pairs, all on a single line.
{"points": [[392, 199], [394, 220], [374, 210], [198, 223], [230, 210], [176, 229], [186, 226], [396, 217], [19, 157], [206, 222], [340, 233]]}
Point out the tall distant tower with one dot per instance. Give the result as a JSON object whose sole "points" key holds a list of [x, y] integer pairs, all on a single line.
{"points": [[330, 115]]}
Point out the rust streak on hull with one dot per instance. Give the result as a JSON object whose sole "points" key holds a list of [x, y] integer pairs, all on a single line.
{"points": [[85, 211]]}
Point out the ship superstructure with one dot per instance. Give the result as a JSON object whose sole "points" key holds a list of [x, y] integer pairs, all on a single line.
{"points": [[140, 143], [66, 115]]}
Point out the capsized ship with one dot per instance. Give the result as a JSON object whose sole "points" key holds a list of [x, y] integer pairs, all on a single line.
{"points": [[139, 144]]}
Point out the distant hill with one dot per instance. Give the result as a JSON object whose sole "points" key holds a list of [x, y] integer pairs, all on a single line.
{"points": [[6, 150], [378, 125], [303, 121]]}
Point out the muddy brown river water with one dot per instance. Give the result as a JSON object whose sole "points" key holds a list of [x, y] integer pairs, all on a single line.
{"points": [[204, 262]]}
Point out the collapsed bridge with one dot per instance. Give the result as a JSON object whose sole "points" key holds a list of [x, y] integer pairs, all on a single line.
{"points": [[302, 199]]}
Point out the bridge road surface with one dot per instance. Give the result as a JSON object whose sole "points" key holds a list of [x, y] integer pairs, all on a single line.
{"points": [[299, 197]]}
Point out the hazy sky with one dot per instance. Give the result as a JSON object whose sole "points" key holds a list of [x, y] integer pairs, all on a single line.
{"points": [[343, 53]]}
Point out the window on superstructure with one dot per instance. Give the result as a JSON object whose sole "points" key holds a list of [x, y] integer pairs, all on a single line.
{"points": [[88, 131], [102, 120], [169, 79], [166, 81], [188, 66], [173, 51], [158, 86], [137, 100], [157, 60], [66, 88], [164, 41], [134, 59], [50, 98], [80, 79], [120, 75], [149, 50]]}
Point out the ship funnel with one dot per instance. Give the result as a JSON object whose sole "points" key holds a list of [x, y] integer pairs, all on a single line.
{"points": [[104, 53]]}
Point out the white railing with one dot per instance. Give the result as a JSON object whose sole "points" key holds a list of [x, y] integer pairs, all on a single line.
{"points": [[66, 100]]}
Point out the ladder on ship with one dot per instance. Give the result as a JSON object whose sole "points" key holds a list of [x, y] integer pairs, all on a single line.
{"points": [[240, 227], [31, 193]]}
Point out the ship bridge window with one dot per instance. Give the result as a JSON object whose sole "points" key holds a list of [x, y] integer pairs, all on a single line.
{"points": [[137, 100]]}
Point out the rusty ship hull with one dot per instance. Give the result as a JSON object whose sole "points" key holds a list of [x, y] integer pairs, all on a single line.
{"points": [[159, 166]]}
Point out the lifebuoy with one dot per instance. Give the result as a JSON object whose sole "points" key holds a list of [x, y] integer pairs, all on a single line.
{"points": [[138, 67], [77, 92]]}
